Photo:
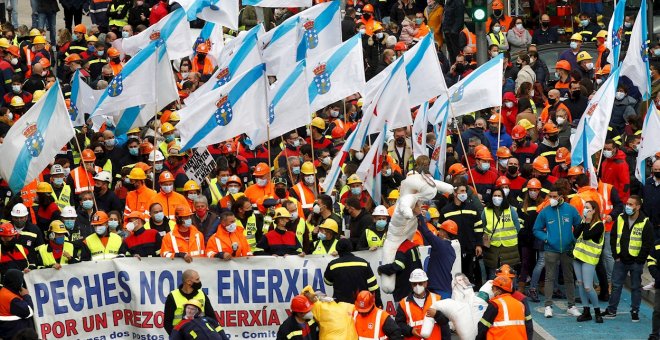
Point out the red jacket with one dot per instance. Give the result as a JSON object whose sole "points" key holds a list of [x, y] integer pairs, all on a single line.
{"points": [[509, 114], [615, 171], [158, 11]]}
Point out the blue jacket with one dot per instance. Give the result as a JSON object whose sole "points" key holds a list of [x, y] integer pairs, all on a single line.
{"points": [[441, 259], [554, 227], [505, 140], [472, 132]]}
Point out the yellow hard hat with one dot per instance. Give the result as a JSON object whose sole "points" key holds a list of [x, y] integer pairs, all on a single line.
{"points": [[602, 34], [4, 43], [318, 122], [44, 187], [57, 227], [133, 130], [394, 194], [353, 179], [37, 95], [34, 32], [137, 174], [576, 36], [584, 55], [92, 38], [525, 123], [174, 116], [39, 40], [330, 224], [191, 185], [282, 212], [17, 101], [434, 213], [195, 303], [166, 128], [308, 168]]}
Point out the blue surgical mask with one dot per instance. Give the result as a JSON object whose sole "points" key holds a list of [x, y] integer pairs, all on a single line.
{"points": [[356, 191], [169, 138], [462, 197], [100, 229], [113, 225], [69, 224], [485, 166], [133, 151], [159, 216], [187, 222], [125, 34], [59, 240], [629, 210], [99, 53], [223, 180], [321, 236], [380, 224], [585, 211], [419, 21], [656, 52], [58, 181], [584, 23], [573, 45], [295, 170], [158, 167], [88, 204]]}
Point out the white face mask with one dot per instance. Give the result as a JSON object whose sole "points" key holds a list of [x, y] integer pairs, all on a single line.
{"points": [[359, 155], [608, 153], [599, 81], [14, 61], [506, 191], [497, 201], [327, 160], [316, 209], [561, 120], [503, 163], [231, 228], [531, 93], [519, 26], [533, 194], [554, 202], [508, 104], [130, 226], [309, 179], [496, 29], [619, 95], [262, 182], [308, 316], [167, 188], [419, 290], [232, 190], [590, 66]]}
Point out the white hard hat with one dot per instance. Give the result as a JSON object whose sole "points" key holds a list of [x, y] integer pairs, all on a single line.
{"points": [[19, 210], [56, 170], [103, 176], [69, 212], [418, 275], [380, 211], [159, 156]]}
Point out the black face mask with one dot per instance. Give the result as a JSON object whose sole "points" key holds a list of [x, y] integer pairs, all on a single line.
{"points": [[468, 59], [553, 138], [400, 141], [512, 169], [248, 213], [201, 57], [197, 285], [116, 60], [657, 174], [520, 142], [552, 101], [97, 190], [366, 16], [545, 24], [280, 192], [497, 13], [576, 94], [460, 68]]}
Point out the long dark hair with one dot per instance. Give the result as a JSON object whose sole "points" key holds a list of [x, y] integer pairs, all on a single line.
{"points": [[503, 206], [596, 216]]}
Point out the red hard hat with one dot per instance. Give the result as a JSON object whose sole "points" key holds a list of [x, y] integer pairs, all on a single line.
{"points": [[203, 48], [456, 168], [368, 8], [365, 301], [400, 46], [502, 180], [88, 155], [300, 304], [165, 176], [450, 227], [518, 132], [7, 230]]}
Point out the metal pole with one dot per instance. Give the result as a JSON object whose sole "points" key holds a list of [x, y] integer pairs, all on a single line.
{"points": [[482, 43]]}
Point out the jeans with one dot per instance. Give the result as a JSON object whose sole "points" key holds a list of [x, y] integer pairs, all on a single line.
{"points": [[35, 14], [618, 277], [606, 256], [538, 269], [47, 20], [584, 273], [656, 316], [12, 11], [566, 260]]}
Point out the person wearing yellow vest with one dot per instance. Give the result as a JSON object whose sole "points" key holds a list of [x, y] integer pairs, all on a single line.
{"points": [[496, 37], [58, 251], [118, 14], [412, 309], [245, 217], [327, 238], [631, 241], [12, 254], [30, 236], [190, 289], [299, 225], [15, 305], [505, 317], [371, 322], [305, 190], [61, 190], [501, 225], [102, 245], [300, 325], [373, 237], [586, 254]]}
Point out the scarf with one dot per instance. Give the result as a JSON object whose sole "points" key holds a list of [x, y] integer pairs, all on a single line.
{"points": [[519, 33]]}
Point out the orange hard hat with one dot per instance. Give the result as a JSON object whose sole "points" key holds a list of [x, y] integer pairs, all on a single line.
{"points": [[518, 132], [450, 227], [550, 128], [503, 152], [99, 218], [44, 62], [456, 169], [495, 118], [80, 28], [72, 57], [365, 301], [400, 46], [261, 169], [480, 147], [541, 164], [146, 148], [483, 155], [165, 176], [502, 180], [563, 65], [575, 170], [182, 211], [337, 132], [203, 48], [503, 283], [534, 184], [136, 214], [497, 4], [562, 155], [14, 50], [88, 155], [506, 271], [234, 179], [113, 52], [7, 230], [368, 8], [300, 304]]}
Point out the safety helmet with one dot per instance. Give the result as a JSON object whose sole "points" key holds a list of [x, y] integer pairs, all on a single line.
{"points": [[165, 176], [418, 275], [394, 194], [330, 224], [45, 63], [57, 227], [602, 34], [7, 230], [400, 46], [182, 211], [141, 165], [234, 179], [308, 168], [19, 210], [195, 303], [44, 188], [353, 179], [576, 36], [501, 181], [563, 65], [158, 155], [380, 211], [541, 164], [17, 101], [365, 301], [80, 28], [56, 169], [584, 55], [456, 169], [103, 176], [203, 48], [166, 128], [4, 43], [39, 40], [92, 38], [377, 26], [34, 32], [318, 122], [433, 212], [146, 148], [503, 283], [113, 52], [575, 170], [562, 155], [282, 212], [69, 212], [88, 155], [175, 117], [506, 271], [368, 8], [534, 184], [191, 185], [483, 155], [133, 130], [14, 50], [37, 95], [605, 70], [503, 152], [72, 57], [518, 132], [450, 227], [300, 304], [497, 4], [261, 169], [137, 174], [495, 118], [136, 214], [99, 218], [550, 128]]}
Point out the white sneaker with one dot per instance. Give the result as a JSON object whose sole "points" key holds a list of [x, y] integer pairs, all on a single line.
{"points": [[649, 286], [573, 311], [548, 311]]}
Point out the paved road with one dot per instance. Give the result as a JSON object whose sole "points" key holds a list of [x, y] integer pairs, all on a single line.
{"points": [[25, 15]]}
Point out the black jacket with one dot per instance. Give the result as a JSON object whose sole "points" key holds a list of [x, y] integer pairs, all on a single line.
{"points": [[453, 20], [647, 240], [200, 328], [348, 28], [406, 260], [348, 275], [549, 36], [651, 199], [170, 307], [357, 226], [468, 218], [290, 326]]}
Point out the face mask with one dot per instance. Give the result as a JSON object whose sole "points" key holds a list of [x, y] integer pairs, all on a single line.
{"points": [[608, 153], [599, 81], [187, 222], [134, 152], [192, 197], [88, 204], [334, 113], [100, 230], [326, 161], [296, 143], [248, 213], [280, 192], [462, 197], [573, 45], [310, 179], [159, 216], [308, 316], [231, 228], [294, 215], [363, 31], [629, 210], [356, 191], [169, 138], [553, 138], [619, 95], [125, 34], [69, 224], [316, 209], [497, 201], [533, 194], [554, 202], [561, 120], [196, 285], [494, 54], [519, 26], [295, 170], [167, 188], [388, 173], [419, 290], [366, 16], [16, 88], [99, 53], [113, 225], [590, 66], [656, 174], [44, 73], [59, 240], [418, 21], [58, 181], [506, 191], [400, 141], [232, 190], [496, 29], [322, 236], [262, 182], [545, 24], [14, 61], [584, 23], [512, 169], [379, 35], [564, 166], [485, 166], [585, 211], [503, 163], [656, 52], [380, 224], [508, 104], [223, 180], [359, 155], [497, 13]]}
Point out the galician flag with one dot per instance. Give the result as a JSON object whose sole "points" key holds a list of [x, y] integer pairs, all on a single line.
{"points": [[369, 170], [635, 65], [221, 12], [278, 3], [173, 30], [422, 65], [650, 141], [615, 34]]}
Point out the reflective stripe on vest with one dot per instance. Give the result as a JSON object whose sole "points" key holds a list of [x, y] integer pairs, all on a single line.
{"points": [[502, 230], [180, 300], [411, 322], [65, 197], [320, 249], [300, 190], [373, 240], [48, 259], [250, 231], [98, 251], [216, 195], [588, 251], [376, 325], [197, 252], [635, 243], [300, 230], [497, 38], [508, 323], [6, 297]]}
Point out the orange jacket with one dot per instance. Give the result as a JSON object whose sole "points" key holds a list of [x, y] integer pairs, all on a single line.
{"points": [[222, 241], [505, 22], [364, 324], [174, 243], [206, 69], [585, 194], [605, 191], [415, 315], [305, 194], [116, 68], [545, 115], [82, 179], [139, 200], [255, 192], [422, 31], [169, 202], [510, 320]]}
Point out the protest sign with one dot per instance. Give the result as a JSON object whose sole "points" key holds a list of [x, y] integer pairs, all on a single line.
{"points": [[200, 165]]}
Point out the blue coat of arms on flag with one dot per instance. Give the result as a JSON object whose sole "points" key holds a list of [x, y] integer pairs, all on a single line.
{"points": [[310, 35], [321, 79], [271, 113], [617, 36], [644, 52], [458, 95], [116, 86], [223, 77], [34, 141], [223, 114], [73, 112]]}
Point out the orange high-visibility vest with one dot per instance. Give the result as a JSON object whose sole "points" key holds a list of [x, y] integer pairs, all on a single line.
{"points": [[510, 320]]}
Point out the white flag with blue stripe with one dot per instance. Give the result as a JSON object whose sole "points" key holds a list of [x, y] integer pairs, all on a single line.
{"points": [[239, 55], [278, 3], [225, 112], [481, 89], [335, 74], [288, 107], [211, 34], [419, 127], [650, 142], [83, 99], [615, 34], [635, 65], [276, 46], [34, 140], [338, 162], [439, 116], [369, 170], [173, 29], [221, 12], [425, 78]]}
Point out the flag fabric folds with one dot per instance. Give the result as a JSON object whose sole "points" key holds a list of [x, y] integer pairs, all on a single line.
{"points": [[481, 89], [419, 131], [221, 12], [635, 65], [439, 115], [615, 34], [173, 29], [83, 99], [425, 78], [34, 140], [650, 142], [225, 112], [278, 3], [338, 162], [369, 170]]}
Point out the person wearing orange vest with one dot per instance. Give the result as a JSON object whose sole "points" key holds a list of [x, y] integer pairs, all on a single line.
{"points": [[467, 38], [82, 177], [585, 193], [229, 240], [612, 207], [368, 19], [167, 197], [304, 190], [202, 62], [15, 305], [505, 317], [141, 197], [371, 322], [184, 241], [498, 14], [263, 187], [410, 315], [115, 60]]}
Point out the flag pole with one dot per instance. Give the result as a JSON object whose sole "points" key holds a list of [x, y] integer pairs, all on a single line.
{"points": [[288, 165], [268, 145], [499, 132], [75, 138], [311, 142], [153, 170], [460, 138]]}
